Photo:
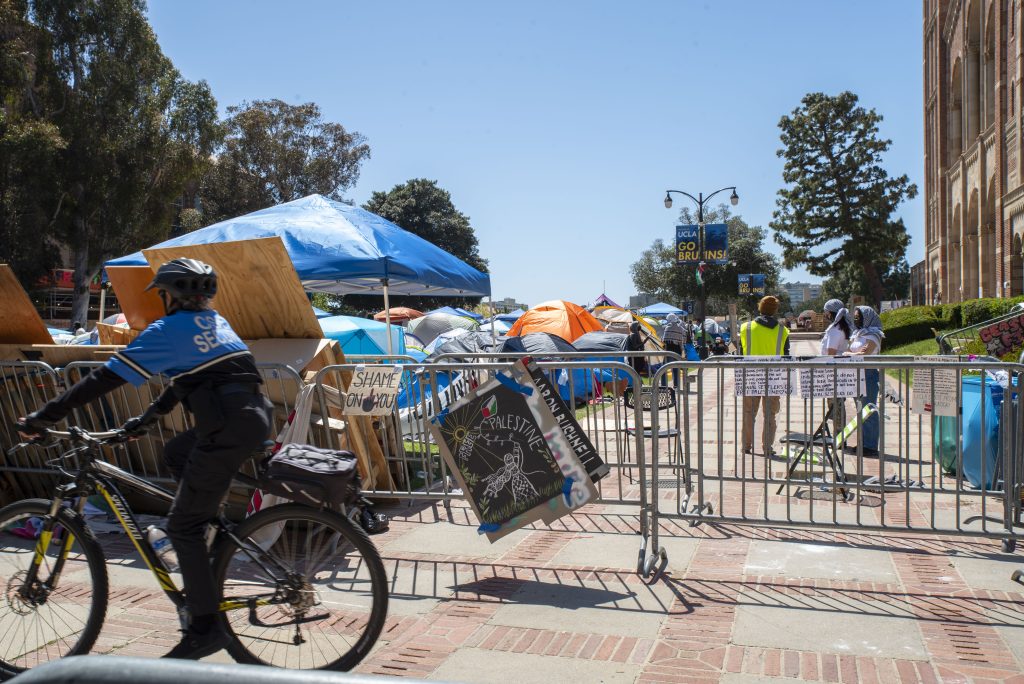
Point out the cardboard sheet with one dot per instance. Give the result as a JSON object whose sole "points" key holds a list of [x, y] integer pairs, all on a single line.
{"points": [[20, 322], [258, 291], [139, 306]]}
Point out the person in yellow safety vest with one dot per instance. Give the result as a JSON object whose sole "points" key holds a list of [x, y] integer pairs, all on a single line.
{"points": [[763, 336]]}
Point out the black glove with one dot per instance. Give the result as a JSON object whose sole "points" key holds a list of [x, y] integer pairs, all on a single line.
{"points": [[139, 425], [33, 426]]}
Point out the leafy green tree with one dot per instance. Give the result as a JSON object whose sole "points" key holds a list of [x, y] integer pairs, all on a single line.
{"points": [[423, 208], [837, 209], [850, 281], [29, 146], [657, 272], [274, 152], [134, 131]]}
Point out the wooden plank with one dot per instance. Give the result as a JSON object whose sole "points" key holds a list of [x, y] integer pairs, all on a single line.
{"points": [[115, 334], [20, 322], [139, 306], [60, 355], [258, 291]]}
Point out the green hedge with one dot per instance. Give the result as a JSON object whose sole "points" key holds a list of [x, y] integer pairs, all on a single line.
{"points": [[914, 323]]}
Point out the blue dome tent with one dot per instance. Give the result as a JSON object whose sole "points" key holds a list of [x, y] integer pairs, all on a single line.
{"points": [[363, 335], [342, 249]]}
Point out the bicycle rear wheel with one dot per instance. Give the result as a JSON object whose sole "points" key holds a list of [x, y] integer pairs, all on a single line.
{"points": [[304, 589], [43, 622]]}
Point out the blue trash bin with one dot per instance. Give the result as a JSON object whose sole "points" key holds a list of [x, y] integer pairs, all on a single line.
{"points": [[981, 440]]}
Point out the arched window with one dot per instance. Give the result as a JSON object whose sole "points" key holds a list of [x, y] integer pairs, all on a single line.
{"points": [[973, 76], [956, 112], [989, 82]]}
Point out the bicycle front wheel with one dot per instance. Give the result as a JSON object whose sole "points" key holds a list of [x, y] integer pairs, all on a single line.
{"points": [[302, 589], [60, 612]]}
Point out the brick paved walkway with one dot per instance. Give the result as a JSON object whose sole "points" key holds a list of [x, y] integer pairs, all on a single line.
{"points": [[736, 604]]}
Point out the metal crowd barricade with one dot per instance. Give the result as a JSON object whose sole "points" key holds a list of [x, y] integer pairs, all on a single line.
{"points": [[819, 481], [412, 458], [24, 387]]}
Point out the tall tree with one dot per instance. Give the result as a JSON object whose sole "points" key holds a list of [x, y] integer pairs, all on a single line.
{"points": [[423, 208], [29, 145], [837, 209], [656, 271], [134, 131], [275, 152], [849, 281]]}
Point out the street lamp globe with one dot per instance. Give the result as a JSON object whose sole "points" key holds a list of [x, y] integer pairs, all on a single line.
{"points": [[734, 198], [668, 201]]}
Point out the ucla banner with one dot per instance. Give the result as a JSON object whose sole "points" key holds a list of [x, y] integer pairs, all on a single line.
{"points": [[716, 244], [751, 284]]}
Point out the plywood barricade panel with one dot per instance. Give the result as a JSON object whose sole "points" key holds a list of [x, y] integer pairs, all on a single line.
{"points": [[60, 355], [258, 291], [20, 322], [115, 335], [140, 307]]}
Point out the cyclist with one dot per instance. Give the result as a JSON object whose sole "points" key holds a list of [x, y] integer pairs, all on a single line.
{"points": [[214, 375]]}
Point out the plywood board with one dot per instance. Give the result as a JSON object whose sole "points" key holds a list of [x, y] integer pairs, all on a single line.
{"points": [[258, 291], [19, 321], [60, 355], [115, 334], [139, 306]]}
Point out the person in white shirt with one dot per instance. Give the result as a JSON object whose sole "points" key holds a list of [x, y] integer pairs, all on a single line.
{"points": [[835, 342]]}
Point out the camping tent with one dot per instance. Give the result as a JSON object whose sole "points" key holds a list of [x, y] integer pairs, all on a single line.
{"points": [[398, 314], [363, 336], [601, 342], [558, 317], [428, 327], [341, 248], [500, 327], [470, 343], [618, 320], [511, 316], [457, 311], [661, 310], [603, 300]]}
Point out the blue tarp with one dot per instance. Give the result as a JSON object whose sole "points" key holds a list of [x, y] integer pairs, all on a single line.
{"points": [[363, 335], [511, 316], [339, 248], [661, 309], [457, 311]]}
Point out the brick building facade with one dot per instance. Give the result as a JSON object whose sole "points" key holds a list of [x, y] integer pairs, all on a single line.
{"points": [[974, 180]]}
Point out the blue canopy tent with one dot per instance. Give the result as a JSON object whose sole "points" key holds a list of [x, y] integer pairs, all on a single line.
{"points": [[363, 335], [660, 310], [342, 249]]}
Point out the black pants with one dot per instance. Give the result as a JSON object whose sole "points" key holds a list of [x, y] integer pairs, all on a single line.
{"points": [[203, 460]]}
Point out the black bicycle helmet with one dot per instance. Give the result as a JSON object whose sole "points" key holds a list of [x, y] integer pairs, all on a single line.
{"points": [[185, 278]]}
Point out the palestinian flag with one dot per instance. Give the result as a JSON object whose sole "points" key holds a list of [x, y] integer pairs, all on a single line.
{"points": [[700, 273], [490, 408]]}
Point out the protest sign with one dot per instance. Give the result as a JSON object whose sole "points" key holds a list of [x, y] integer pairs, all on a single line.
{"points": [[935, 389], [823, 383], [372, 390], [772, 381], [506, 450]]}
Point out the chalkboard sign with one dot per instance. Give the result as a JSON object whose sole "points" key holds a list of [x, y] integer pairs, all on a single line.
{"points": [[509, 455], [566, 419]]}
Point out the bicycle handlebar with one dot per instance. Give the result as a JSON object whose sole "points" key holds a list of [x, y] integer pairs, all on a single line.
{"points": [[77, 434]]}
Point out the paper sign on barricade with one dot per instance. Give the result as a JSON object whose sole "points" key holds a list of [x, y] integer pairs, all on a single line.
{"points": [[372, 390], [825, 383], [773, 381], [943, 400]]}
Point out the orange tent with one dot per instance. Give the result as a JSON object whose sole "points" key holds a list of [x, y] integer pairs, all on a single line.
{"points": [[565, 319], [398, 314]]}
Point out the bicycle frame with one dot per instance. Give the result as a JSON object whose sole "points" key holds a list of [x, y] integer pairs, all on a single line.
{"points": [[102, 477]]}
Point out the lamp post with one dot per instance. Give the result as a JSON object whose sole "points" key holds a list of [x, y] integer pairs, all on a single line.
{"points": [[700, 200]]}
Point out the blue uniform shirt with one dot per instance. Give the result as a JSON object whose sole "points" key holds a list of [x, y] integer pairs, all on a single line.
{"points": [[182, 343]]}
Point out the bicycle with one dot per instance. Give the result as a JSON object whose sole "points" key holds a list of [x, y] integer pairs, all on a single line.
{"points": [[302, 587]]}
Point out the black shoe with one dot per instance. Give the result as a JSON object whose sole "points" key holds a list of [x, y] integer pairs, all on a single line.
{"points": [[195, 645]]}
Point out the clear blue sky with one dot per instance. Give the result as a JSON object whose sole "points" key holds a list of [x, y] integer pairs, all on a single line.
{"points": [[557, 126]]}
